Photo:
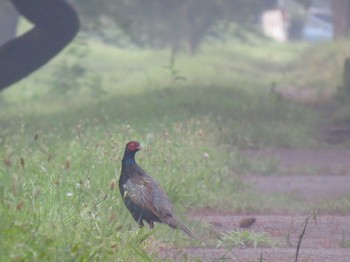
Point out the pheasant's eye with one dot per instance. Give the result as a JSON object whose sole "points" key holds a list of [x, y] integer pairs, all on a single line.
{"points": [[132, 146]]}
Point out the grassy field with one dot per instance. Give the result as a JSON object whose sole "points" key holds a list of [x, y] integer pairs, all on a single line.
{"points": [[63, 132]]}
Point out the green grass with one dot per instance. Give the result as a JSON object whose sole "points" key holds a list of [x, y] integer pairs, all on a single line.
{"points": [[61, 149], [245, 238]]}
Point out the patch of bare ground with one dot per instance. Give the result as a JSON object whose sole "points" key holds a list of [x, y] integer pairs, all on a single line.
{"points": [[313, 189], [326, 231], [326, 239], [303, 161], [248, 255]]}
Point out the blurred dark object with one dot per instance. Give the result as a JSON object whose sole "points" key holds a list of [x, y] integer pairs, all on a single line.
{"points": [[346, 75], [343, 94], [55, 24], [297, 23], [247, 222]]}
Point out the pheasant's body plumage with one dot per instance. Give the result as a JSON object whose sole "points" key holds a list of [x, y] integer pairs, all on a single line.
{"points": [[142, 195]]}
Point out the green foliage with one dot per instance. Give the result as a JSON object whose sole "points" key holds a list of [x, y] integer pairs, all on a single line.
{"points": [[156, 23], [245, 238], [63, 194], [70, 77], [228, 32], [304, 72]]}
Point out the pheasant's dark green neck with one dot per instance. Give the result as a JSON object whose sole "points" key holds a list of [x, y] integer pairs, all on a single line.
{"points": [[129, 158]]}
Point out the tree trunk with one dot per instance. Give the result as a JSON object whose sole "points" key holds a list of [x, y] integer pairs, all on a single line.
{"points": [[8, 21], [346, 76], [341, 18]]}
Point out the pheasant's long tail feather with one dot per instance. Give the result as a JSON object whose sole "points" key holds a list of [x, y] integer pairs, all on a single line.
{"points": [[178, 224]]}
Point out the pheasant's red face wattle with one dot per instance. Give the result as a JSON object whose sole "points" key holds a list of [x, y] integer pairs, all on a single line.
{"points": [[134, 146]]}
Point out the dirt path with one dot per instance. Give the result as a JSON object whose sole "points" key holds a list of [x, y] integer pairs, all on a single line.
{"points": [[326, 239], [305, 188], [306, 161]]}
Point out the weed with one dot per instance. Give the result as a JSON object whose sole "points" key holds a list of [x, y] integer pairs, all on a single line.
{"points": [[345, 243], [245, 238], [313, 216], [261, 259]]}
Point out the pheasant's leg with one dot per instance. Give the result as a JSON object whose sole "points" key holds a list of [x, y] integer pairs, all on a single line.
{"points": [[138, 218], [140, 221], [151, 224]]}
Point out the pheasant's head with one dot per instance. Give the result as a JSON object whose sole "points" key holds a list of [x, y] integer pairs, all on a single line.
{"points": [[133, 146]]}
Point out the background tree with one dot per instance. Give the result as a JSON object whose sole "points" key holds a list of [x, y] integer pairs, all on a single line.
{"points": [[167, 23], [341, 18]]}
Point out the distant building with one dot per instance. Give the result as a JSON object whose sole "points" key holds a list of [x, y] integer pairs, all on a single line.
{"points": [[275, 25], [288, 20]]}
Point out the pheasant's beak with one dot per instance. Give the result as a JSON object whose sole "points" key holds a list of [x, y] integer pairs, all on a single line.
{"points": [[139, 147]]}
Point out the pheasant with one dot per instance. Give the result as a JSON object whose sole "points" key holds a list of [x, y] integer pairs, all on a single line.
{"points": [[143, 196]]}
